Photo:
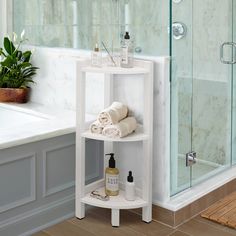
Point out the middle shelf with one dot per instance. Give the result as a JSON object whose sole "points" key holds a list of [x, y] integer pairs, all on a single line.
{"points": [[138, 135]]}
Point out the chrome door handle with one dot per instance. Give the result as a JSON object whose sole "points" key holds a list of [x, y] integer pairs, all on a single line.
{"points": [[233, 45]]}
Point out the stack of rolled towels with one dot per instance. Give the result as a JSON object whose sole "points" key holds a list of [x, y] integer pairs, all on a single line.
{"points": [[113, 122]]}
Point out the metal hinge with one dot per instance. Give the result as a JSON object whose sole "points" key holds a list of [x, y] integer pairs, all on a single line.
{"points": [[191, 158]]}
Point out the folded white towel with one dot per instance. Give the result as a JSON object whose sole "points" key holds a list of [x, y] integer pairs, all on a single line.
{"points": [[122, 129], [96, 127], [113, 114]]}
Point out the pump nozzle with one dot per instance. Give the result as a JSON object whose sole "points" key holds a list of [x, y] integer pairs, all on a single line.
{"points": [[127, 36], [130, 178], [112, 162], [110, 154]]}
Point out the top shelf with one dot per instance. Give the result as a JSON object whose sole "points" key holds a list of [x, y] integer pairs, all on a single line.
{"points": [[115, 70]]}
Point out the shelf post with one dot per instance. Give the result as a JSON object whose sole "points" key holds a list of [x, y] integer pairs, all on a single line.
{"points": [[80, 143], [115, 217], [148, 144]]}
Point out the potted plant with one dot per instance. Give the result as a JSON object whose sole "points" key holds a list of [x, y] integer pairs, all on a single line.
{"points": [[16, 71]]}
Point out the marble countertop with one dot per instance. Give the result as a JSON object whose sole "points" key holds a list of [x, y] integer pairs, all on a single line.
{"points": [[56, 122]]}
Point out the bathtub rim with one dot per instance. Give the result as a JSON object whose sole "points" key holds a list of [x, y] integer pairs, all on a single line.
{"points": [[56, 122]]}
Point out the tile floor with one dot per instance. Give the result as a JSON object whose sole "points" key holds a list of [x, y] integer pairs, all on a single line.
{"points": [[97, 222]]}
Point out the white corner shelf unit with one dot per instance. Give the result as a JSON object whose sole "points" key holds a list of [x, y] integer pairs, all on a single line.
{"points": [[144, 134]]}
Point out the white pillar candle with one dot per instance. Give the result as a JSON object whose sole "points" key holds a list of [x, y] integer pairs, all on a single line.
{"points": [[127, 17]]}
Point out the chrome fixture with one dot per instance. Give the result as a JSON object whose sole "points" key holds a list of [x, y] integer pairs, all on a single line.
{"points": [[177, 1], [233, 49], [179, 30], [191, 158], [138, 49]]}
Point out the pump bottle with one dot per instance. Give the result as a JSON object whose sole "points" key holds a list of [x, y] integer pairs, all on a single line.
{"points": [[111, 177], [130, 188], [127, 56]]}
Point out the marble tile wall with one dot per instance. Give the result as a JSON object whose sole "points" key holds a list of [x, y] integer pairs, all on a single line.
{"points": [[211, 128], [82, 23], [55, 82]]}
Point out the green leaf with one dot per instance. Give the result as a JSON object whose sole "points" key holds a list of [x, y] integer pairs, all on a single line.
{"points": [[26, 56], [8, 62], [2, 53], [8, 45], [25, 65]]}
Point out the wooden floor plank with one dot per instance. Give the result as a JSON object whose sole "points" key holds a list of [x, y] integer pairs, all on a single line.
{"points": [[228, 217], [99, 226], [214, 224], [131, 224], [196, 228], [223, 212], [179, 233], [218, 205], [67, 229], [41, 233], [97, 222]]}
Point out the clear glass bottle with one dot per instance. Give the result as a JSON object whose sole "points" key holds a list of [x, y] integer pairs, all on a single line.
{"points": [[96, 57], [127, 53]]}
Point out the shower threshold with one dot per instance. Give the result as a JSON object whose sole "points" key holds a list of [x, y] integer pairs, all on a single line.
{"points": [[196, 192]]}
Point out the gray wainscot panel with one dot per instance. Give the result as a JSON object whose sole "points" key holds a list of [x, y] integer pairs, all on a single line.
{"points": [[37, 183]]}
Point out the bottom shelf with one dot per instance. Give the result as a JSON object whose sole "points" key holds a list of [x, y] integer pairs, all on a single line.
{"points": [[115, 202]]}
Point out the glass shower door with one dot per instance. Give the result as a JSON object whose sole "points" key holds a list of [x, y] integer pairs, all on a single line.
{"points": [[202, 123], [181, 94], [212, 87]]}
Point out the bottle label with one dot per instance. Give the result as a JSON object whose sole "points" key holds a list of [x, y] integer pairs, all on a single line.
{"points": [[96, 59], [124, 56], [112, 182]]}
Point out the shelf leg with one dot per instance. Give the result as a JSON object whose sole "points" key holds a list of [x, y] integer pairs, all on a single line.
{"points": [[80, 211], [147, 214], [115, 217]]}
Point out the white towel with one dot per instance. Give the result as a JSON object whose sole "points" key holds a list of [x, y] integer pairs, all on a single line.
{"points": [[113, 114], [122, 129], [96, 127]]}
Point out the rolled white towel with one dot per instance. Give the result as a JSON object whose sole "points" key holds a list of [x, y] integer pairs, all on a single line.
{"points": [[122, 129], [113, 114], [96, 127]]}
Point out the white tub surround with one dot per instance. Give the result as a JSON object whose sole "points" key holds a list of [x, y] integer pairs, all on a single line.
{"points": [[33, 122]]}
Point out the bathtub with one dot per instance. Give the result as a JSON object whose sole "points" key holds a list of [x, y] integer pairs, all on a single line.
{"points": [[22, 123], [37, 159], [10, 118], [37, 167]]}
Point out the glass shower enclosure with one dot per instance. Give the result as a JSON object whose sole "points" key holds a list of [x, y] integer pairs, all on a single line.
{"points": [[203, 50]]}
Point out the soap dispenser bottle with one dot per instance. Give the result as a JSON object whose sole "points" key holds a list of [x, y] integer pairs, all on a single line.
{"points": [[130, 188], [126, 58], [111, 177]]}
